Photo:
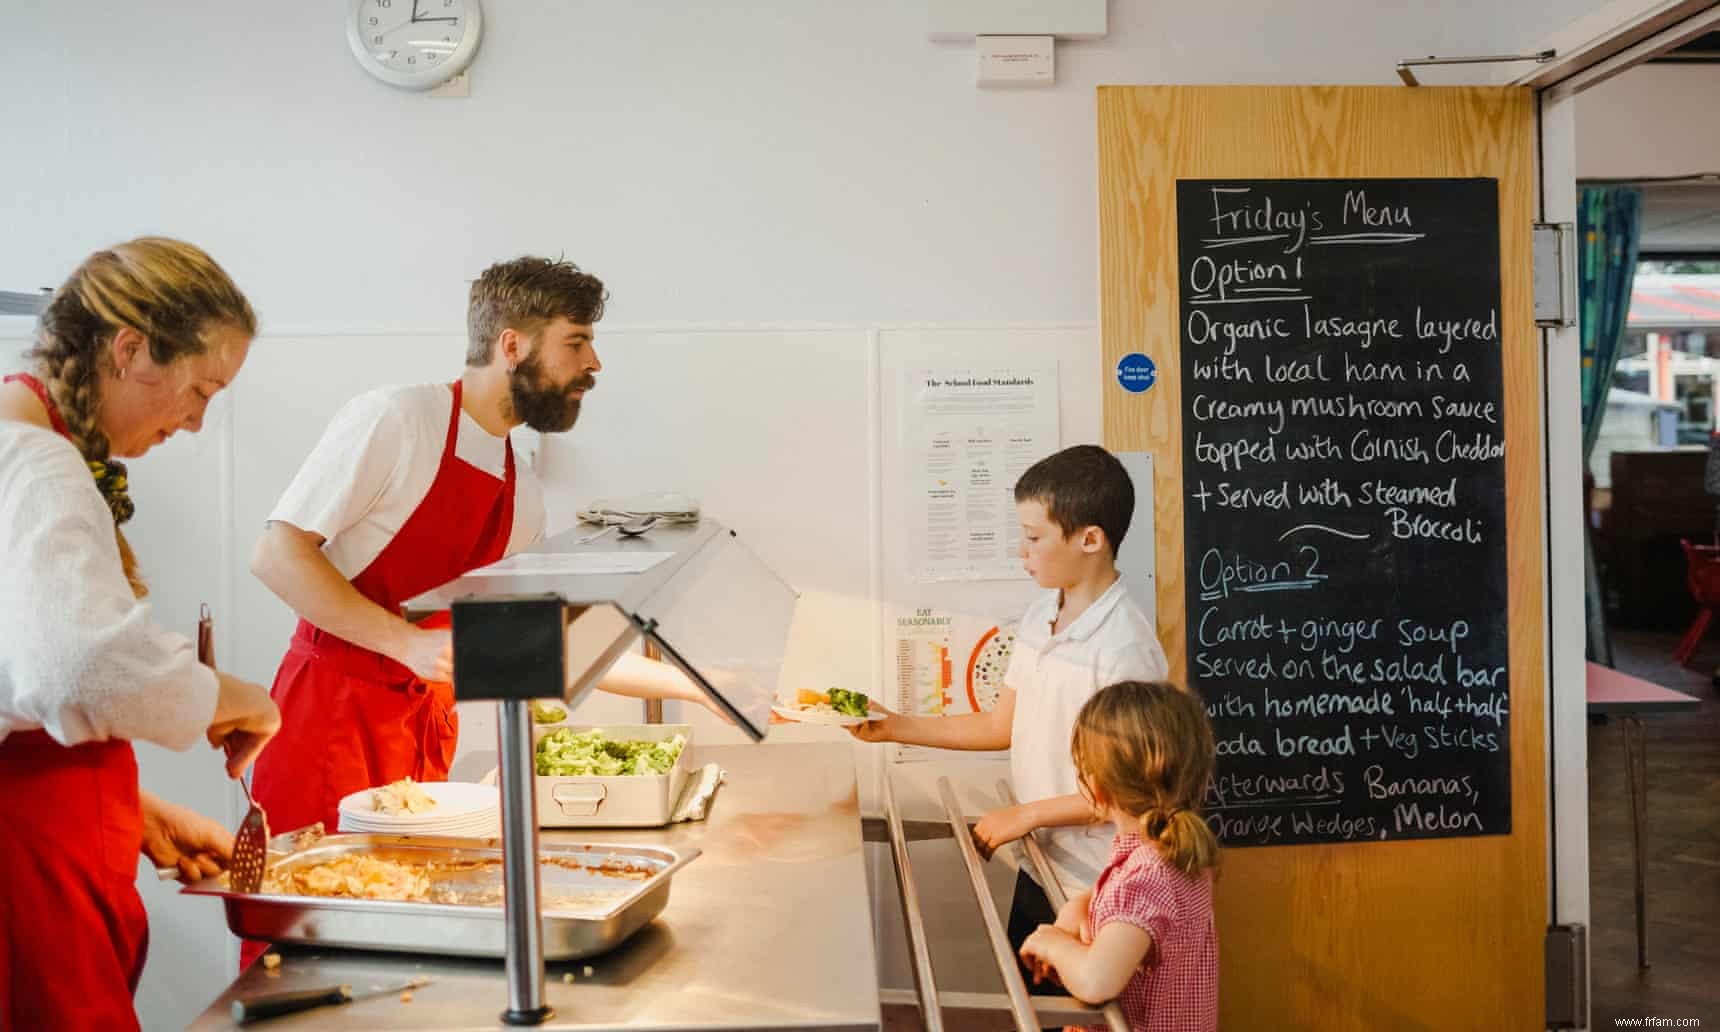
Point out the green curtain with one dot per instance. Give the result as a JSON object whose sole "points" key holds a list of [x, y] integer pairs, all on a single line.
{"points": [[1609, 224]]}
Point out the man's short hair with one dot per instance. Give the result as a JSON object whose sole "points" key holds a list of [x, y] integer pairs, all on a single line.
{"points": [[525, 294], [1083, 486]]}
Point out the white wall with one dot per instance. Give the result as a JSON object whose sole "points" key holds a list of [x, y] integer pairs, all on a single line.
{"points": [[774, 160], [722, 166], [1654, 120]]}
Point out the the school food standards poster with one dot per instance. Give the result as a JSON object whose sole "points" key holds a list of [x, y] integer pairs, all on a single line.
{"points": [[968, 434]]}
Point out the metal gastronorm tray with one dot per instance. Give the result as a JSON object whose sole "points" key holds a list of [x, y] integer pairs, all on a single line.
{"points": [[585, 910]]}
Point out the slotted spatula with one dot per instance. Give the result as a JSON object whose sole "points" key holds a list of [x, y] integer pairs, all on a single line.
{"points": [[251, 841]]}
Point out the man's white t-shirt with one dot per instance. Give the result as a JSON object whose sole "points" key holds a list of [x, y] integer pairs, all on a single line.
{"points": [[1052, 676], [375, 463]]}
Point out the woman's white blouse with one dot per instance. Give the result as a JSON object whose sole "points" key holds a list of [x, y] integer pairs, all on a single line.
{"points": [[80, 656]]}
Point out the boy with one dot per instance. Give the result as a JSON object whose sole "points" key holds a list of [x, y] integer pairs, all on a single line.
{"points": [[1083, 633]]}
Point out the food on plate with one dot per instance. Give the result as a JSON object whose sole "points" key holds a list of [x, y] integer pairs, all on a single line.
{"points": [[565, 752], [401, 797], [353, 877], [837, 700], [853, 704], [548, 712]]}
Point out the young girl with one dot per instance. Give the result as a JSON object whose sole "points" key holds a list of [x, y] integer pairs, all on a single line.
{"points": [[1145, 933]]}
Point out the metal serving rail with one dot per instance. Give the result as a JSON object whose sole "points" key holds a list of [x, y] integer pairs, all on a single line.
{"points": [[1028, 1011]]}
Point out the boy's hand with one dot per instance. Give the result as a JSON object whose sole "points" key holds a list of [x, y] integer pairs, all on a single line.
{"points": [[880, 728], [1000, 827]]}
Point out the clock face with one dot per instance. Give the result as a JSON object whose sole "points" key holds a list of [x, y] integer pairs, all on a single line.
{"points": [[414, 43]]}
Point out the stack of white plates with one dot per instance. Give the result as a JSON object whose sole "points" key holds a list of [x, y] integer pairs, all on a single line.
{"points": [[462, 810]]}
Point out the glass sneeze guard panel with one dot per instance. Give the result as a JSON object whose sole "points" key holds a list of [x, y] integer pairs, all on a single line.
{"points": [[711, 604]]}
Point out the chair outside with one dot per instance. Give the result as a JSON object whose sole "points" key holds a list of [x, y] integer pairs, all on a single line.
{"points": [[1702, 574]]}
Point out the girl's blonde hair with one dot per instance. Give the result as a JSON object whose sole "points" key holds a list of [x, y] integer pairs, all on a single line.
{"points": [[167, 290], [1146, 748]]}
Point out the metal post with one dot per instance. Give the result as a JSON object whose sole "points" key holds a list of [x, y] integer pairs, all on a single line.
{"points": [[520, 867], [931, 1015], [1020, 1006], [1636, 774]]}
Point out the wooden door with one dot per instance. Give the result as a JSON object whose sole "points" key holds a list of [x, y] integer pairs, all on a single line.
{"points": [[1437, 933]]}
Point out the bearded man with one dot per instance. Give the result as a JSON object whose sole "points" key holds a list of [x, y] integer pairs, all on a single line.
{"points": [[410, 487]]}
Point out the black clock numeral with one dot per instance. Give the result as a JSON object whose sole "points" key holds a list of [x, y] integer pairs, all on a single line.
{"points": [[412, 60], [376, 21], [385, 4], [376, 39]]}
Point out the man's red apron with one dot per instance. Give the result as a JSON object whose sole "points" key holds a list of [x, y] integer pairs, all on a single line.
{"points": [[352, 718], [73, 933]]}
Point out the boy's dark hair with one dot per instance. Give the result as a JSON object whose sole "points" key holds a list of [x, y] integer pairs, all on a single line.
{"points": [[1083, 486]]}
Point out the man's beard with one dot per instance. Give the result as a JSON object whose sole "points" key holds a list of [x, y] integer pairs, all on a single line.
{"points": [[539, 402]]}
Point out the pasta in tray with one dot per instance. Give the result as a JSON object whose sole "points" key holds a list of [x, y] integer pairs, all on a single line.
{"points": [[359, 876], [354, 877]]}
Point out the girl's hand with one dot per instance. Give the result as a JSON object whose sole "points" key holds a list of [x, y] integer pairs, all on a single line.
{"points": [[1000, 827], [1073, 917], [1036, 952], [174, 836]]}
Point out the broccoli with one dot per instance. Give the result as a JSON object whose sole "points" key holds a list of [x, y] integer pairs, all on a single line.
{"points": [[567, 753], [853, 704]]}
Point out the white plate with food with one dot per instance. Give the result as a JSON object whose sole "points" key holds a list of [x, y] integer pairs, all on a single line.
{"points": [[409, 804], [837, 707]]}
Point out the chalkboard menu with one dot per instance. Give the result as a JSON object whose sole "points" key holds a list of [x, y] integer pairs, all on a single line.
{"points": [[1344, 505]]}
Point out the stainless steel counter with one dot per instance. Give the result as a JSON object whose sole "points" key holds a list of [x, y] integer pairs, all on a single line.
{"points": [[770, 928]]}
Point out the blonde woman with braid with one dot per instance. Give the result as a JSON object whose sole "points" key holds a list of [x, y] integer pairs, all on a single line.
{"points": [[128, 353], [1145, 934]]}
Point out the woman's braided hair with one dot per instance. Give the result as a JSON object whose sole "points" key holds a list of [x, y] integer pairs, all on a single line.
{"points": [[167, 290]]}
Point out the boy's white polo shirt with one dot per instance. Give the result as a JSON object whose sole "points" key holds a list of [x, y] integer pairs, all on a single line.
{"points": [[1052, 676]]}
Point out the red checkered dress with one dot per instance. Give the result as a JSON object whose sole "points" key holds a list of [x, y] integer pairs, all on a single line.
{"points": [[1176, 989]]}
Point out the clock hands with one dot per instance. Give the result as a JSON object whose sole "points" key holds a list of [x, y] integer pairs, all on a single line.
{"points": [[416, 19]]}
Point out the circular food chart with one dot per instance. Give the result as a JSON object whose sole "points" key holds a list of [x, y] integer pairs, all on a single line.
{"points": [[986, 667]]}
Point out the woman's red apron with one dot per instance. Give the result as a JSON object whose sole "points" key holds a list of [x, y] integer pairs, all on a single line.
{"points": [[73, 933], [352, 718]]}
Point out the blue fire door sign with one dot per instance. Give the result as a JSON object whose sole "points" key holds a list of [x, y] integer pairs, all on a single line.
{"points": [[1136, 373]]}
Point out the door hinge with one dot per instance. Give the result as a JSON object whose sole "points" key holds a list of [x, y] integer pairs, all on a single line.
{"points": [[1555, 278], [1567, 976]]}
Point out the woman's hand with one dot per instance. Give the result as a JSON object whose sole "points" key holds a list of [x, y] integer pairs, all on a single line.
{"points": [[1000, 827], [174, 836], [245, 719]]}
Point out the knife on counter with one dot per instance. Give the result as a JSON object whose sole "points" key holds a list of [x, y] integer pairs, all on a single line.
{"points": [[275, 1005]]}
